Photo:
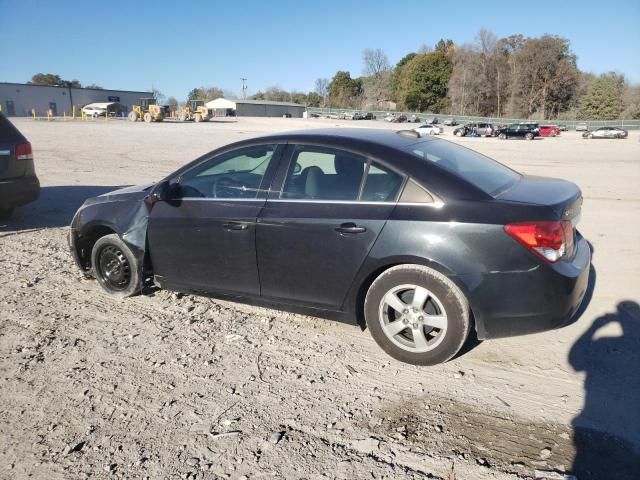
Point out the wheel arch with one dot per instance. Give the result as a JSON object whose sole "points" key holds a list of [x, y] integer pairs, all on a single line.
{"points": [[355, 300], [82, 242]]}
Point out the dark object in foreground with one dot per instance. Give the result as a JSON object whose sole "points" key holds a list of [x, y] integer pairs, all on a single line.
{"points": [[18, 182], [421, 238]]}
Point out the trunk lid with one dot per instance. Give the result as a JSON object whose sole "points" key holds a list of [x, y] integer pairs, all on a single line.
{"points": [[9, 138], [563, 197]]}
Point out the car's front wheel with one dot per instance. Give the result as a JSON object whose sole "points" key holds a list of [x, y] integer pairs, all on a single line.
{"points": [[529, 136], [417, 315], [115, 266], [502, 136]]}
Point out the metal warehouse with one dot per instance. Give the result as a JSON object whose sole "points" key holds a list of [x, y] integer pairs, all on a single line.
{"points": [[256, 108], [18, 99]]}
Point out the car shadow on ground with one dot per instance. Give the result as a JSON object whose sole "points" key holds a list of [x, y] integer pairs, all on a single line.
{"points": [[606, 434], [54, 208]]}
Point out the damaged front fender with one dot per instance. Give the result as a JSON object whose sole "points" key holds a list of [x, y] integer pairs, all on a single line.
{"points": [[124, 212]]}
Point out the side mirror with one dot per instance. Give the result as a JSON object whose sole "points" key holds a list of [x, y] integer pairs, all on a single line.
{"points": [[161, 191]]}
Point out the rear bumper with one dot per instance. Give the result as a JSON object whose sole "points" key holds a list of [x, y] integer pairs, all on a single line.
{"points": [[543, 298], [19, 191]]}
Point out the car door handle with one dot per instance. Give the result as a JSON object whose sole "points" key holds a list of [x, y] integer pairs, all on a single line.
{"points": [[235, 226], [350, 228]]}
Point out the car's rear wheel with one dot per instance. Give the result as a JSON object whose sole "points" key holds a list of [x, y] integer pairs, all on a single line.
{"points": [[529, 136], [5, 213], [417, 315], [115, 266], [458, 133], [502, 136]]}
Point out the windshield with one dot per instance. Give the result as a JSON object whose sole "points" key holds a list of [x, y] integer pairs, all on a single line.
{"points": [[483, 172]]}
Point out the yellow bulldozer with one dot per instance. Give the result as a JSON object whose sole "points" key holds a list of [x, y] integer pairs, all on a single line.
{"points": [[195, 110], [147, 110]]}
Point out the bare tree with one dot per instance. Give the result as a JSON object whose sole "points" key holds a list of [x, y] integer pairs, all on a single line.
{"points": [[322, 88], [375, 62]]}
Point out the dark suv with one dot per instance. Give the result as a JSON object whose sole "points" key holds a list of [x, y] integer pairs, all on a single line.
{"points": [[477, 129], [18, 182], [519, 130]]}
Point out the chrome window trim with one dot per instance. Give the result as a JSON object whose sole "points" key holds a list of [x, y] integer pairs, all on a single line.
{"points": [[438, 204], [5, 152]]}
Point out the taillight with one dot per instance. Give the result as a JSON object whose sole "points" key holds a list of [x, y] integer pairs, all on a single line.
{"points": [[23, 151], [550, 240]]}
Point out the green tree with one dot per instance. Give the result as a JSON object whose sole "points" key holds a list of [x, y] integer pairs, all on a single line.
{"points": [[94, 86], [195, 94], [53, 79], [314, 99], [345, 91], [603, 100], [423, 82]]}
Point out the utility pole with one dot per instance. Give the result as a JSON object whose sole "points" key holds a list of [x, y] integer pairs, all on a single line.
{"points": [[244, 88]]}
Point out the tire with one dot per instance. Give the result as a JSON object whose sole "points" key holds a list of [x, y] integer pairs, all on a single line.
{"points": [[590, 136], [133, 116], [502, 136], [442, 299], [458, 133], [5, 213], [115, 267], [529, 136], [148, 118], [197, 117]]}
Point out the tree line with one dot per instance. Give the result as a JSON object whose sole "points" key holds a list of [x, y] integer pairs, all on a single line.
{"points": [[511, 77]]}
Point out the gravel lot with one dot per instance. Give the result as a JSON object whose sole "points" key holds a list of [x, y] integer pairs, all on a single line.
{"points": [[172, 386]]}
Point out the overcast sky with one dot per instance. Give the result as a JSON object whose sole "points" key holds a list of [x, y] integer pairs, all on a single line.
{"points": [[175, 46]]}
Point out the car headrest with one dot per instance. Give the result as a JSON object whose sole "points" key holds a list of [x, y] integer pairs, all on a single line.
{"points": [[348, 166]]}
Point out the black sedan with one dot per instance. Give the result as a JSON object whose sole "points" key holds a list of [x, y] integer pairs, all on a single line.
{"points": [[528, 131], [18, 182], [421, 239]]}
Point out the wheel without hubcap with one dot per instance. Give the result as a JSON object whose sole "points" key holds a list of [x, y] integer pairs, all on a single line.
{"points": [[115, 266]]}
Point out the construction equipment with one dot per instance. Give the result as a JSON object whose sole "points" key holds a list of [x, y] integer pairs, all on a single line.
{"points": [[148, 110], [195, 110]]}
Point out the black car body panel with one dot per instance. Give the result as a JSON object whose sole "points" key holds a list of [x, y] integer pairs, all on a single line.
{"points": [[519, 130], [320, 256], [19, 184]]}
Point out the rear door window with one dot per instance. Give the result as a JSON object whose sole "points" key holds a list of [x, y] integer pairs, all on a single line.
{"points": [[319, 173]]}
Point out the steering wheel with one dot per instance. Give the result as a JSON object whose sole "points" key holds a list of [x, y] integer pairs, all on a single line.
{"points": [[226, 187]]}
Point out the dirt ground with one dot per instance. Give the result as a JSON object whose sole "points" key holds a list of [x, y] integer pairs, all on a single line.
{"points": [[177, 386]]}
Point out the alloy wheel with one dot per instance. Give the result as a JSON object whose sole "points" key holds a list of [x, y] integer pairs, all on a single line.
{"points": [[413, 318]]}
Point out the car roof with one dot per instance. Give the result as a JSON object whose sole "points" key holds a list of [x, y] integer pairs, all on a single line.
{"points": [[361, 137]]}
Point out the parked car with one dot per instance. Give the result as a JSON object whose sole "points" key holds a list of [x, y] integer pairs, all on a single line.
{"points": [[399, 119], [423, 244], [451, 122], [368, 116], [353, 116], [390, 117], [427, 129], [479, 129], [582, 127], [94, 110], [414, 119], [432, 121], [527, 131], [606, 132], [563, 128], [549, 130], [19, 184]]}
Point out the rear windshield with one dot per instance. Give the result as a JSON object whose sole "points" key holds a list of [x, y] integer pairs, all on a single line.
{"points": [[483, 172]]}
